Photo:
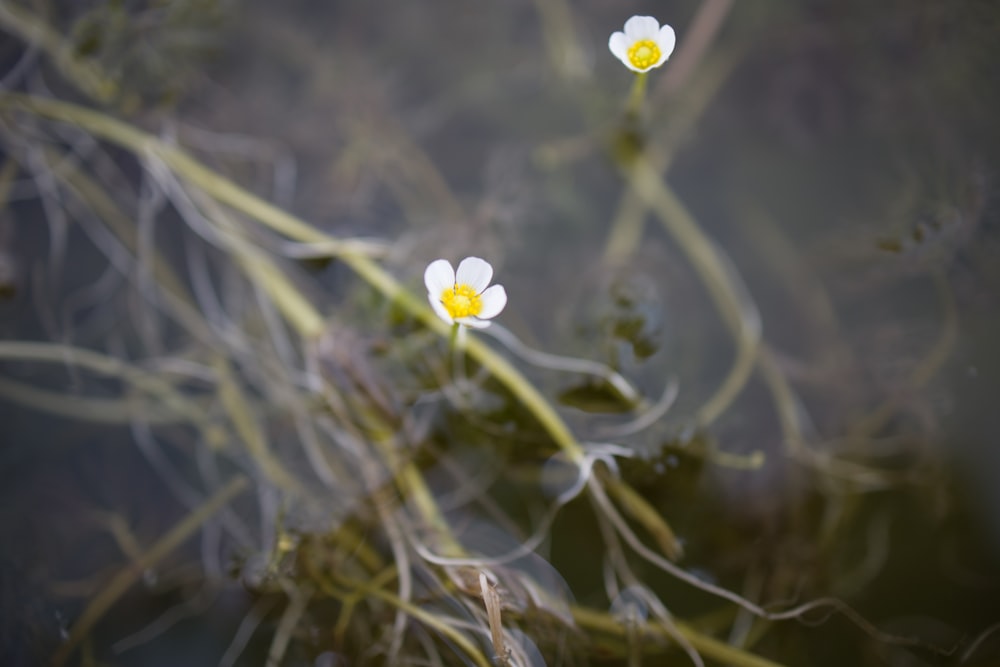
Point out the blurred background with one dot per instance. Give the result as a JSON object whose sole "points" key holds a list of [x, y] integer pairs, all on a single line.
{"points": [[841, 156]]}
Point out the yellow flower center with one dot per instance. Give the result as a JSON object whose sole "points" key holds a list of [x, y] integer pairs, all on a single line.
{"points": [[644, 53], [461, 301]]}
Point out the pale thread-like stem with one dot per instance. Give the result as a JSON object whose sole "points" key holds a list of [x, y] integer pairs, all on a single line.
{"points": [[561, 40], [349, 252], [97, 410], [353, 255], [431, 621], [173, 402], [709, 646], [229, 193], [731, 299], [628, 223], [77, 70], [128, 576], [241, 413], [927, 368], [698, 37], [299, 600]]}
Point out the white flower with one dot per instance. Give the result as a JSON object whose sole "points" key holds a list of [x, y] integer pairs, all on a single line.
{"points": [[644, 44], [463, 297]]}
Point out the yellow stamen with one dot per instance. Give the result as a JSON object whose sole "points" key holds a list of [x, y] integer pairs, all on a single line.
{"points": [[461, 301], [644, 53]]}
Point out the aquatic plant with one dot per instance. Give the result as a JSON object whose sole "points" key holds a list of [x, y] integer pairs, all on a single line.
{"points": [[251, 417]]}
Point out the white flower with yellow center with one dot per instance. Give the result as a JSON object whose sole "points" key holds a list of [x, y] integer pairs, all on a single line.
{"points": [[644, 44], [463, 297]]}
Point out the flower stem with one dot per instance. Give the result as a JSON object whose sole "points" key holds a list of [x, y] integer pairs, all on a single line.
{"points": [[636, 96], [348, 251], [725, 287], [456, 353]]}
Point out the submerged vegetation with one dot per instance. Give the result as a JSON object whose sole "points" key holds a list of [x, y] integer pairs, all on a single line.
{"points": [[731, 412]]}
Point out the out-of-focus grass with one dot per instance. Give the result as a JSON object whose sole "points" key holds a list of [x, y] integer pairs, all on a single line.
{"points": [[190, 285]]}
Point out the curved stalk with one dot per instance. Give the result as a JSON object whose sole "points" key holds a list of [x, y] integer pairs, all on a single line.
{"points": [[734, 304], [129, 575], [352, 253]]}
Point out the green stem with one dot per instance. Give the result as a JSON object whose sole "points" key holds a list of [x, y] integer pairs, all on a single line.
{"points": [[637, 95], [429, 619], [350, 252], [736, 309], [128, 576], [456, 353], [82, 73], [595, 621], [685, 111], [172, 402]]}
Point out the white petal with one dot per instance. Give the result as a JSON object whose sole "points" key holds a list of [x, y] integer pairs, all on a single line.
{"points": [[666, 40], [439, 308], [493, 301], [473, 322], [474, 272], [641, 27], [438, 277], [618, 43]]}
